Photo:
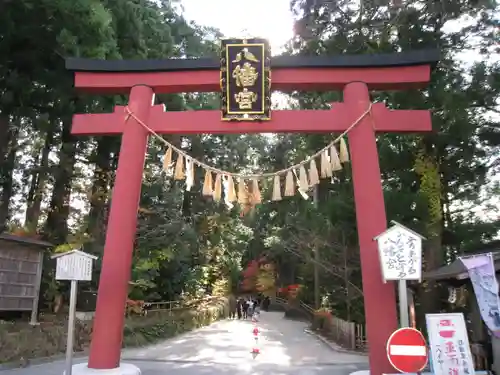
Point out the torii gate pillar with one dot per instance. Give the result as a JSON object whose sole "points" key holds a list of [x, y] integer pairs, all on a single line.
{"points": [[355, 75], [379, 298]]}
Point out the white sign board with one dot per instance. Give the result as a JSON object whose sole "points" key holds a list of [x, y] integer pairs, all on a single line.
{"points": [[74, 265], [449, 344], [400, 251]]}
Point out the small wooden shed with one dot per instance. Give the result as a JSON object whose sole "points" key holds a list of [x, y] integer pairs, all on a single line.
{"points": [[21, 263]]}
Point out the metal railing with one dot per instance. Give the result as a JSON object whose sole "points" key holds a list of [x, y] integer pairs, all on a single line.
{"points": [[171, 306], [281, 301]]}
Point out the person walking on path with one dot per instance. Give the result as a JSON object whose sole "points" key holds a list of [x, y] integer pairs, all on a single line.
{"points": [[251, 305], [256, 306], [245, 309], [239, 308], [266, 303], [232, 306]]}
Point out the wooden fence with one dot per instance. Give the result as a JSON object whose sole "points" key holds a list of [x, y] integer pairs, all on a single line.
{"points": [[352, 335], [361, 341], [171, 306], [347, 334]]}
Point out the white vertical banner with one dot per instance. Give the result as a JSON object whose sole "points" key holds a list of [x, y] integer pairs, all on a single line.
{"points": [[481, 269], [449, 344]]}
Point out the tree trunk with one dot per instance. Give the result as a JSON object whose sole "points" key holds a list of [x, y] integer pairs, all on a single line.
{"points": [[33, 186], [37, 188], [100, 189], [427, 168], [57, 218], [6, 178], [4, 138]]}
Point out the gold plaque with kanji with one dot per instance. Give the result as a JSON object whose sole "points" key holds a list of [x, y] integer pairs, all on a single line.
{"points": [[245, 79]]}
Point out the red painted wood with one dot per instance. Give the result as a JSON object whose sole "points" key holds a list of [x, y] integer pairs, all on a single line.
{"points": [[120, 236], [379, 298], [99, 123], [338, 119], [285, 79], [380, 302]]}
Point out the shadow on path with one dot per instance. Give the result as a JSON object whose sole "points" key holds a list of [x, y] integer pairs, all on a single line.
{"points": [[281, 342], [224, 349]]}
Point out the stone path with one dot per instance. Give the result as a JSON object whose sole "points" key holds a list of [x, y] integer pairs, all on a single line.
{"points": [[225, 347]]}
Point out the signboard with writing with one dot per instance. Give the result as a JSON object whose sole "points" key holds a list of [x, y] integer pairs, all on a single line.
{"points": [[74, 265], [449, 344], [400, 251], [482, 274], [245, 68]]}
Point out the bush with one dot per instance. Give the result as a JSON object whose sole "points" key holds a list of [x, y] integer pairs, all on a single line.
{"points": [[322, 320], [139, 331], [22, 342]]}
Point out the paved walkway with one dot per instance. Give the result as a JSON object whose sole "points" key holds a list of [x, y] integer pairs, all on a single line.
{"points": [[226, 346]]}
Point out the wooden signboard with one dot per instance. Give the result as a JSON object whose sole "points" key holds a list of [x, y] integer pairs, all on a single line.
{"points": [[74, 265], [245, 79]]}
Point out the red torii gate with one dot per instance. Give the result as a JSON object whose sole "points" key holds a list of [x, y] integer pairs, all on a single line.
{"points": [[355, 75]]}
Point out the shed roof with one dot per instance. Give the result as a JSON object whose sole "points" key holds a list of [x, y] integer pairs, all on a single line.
{"points": [[24, 240], [457, 271], [75, 251]]}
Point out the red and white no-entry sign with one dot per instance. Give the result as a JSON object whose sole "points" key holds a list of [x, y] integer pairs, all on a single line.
{"points": [[407, 350]]}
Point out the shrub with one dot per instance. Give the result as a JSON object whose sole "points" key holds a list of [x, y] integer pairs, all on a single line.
{"points": [[22, 342], [322, 320]]}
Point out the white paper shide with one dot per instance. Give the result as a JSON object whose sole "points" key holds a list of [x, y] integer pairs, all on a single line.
{"points": [[400, 251], [74, 265], [449, 344]]}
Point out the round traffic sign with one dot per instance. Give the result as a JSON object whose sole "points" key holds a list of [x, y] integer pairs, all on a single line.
{"points": [[407, 350]]}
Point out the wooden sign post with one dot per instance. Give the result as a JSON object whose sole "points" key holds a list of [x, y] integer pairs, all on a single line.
{"points": [[400, 251], [74, 265]]}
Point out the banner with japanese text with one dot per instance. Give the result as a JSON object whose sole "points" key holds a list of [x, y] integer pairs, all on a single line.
{"points": [[481, 271], [449, 344]]}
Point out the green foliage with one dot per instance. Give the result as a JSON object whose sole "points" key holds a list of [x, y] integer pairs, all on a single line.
{"points": [[142, 331], [440, 183], [22, 342]]}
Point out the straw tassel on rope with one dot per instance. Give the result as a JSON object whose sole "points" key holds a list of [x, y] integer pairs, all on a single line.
{"points": [[344, 154], [334, 159], [218, 188], [242, 192], [313, 173], [276, 189], [249, 194], [189, 174], [231, 192], [256, 196], [167, 159], [208, 190], [304, 184], [302, 192], [289, 185], [326, 166], [179, 168]]}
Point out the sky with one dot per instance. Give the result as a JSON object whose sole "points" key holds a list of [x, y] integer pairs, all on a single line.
{"points": [[270, 19], [273, 20]]}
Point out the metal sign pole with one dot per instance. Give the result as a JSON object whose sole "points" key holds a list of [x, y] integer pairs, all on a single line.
{"points": [[404, 318], [71, 327]]}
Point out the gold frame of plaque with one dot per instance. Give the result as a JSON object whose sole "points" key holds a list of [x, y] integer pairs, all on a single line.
{"points": [[245, 79]]}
